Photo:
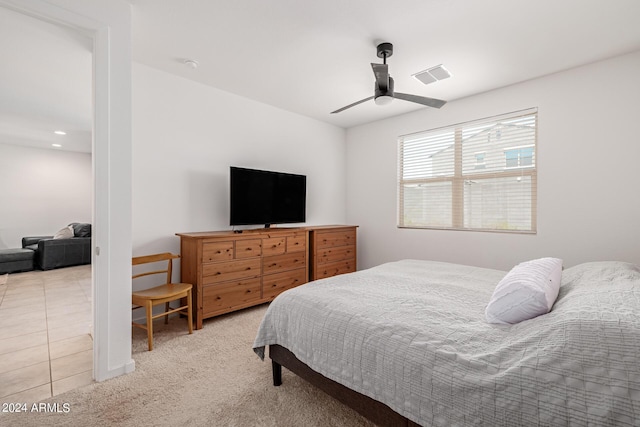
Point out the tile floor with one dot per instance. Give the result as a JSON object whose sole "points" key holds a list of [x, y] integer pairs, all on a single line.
{"points": [[45, 345]]}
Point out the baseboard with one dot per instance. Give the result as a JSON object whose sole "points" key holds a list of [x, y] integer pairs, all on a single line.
{"points": [[127, 368]]}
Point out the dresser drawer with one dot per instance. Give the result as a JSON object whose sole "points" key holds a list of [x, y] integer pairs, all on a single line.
{"points": [[232, 270], [274, 284], [224, 297], [328, 270], [274, 246], [335, 238], [275, 264], [339, 253], [297, 243], [217, 251], [248, 248]]}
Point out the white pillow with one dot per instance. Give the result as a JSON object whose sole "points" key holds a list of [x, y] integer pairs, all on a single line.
{"points": [[527, 291], [65, 233]]}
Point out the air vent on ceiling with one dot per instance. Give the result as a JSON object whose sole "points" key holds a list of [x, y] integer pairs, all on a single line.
{"points": [[432, 74]]}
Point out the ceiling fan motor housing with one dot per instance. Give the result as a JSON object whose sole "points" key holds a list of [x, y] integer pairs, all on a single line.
{"points": [[380, 92]]}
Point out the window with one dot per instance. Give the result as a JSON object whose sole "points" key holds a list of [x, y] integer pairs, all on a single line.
{"points": [[480, 160], [479, 175], [519, 157]]}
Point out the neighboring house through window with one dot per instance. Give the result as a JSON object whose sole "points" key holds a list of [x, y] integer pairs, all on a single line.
{"points": [[519, 157], [479, 175], [480, 164]]}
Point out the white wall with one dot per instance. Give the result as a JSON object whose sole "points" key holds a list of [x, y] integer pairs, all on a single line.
{"points": [[42, 191], [185, 137], [588, 173]]}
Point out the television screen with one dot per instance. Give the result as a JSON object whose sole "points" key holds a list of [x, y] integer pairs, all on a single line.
{"points": [[266, 197]]}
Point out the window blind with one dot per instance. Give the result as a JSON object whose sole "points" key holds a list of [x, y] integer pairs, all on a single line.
{"points": [[478, 175]]}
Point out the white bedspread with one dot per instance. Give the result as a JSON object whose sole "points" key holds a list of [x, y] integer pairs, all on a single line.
{"points": [[412, 334]]}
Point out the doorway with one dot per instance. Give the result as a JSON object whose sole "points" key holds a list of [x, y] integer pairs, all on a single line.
{"points": [[46, 120], [109, 26]]}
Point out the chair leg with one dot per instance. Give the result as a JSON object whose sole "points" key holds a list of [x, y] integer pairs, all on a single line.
{"points": [[189, 315], [149, 309], [166, 308]]}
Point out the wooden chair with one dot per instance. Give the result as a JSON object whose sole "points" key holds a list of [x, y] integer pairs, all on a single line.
{"points": [[148, 298]]}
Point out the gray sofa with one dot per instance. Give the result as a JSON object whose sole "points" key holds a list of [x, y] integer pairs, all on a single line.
{"points": [[52, 253]]}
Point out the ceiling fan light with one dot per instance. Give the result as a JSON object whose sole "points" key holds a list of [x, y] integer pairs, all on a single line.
{"points": [[383, 100]]}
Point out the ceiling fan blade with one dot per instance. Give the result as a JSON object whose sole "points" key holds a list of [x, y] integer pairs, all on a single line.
{"points": [[352, 105], [429, 102], [381, 71]]}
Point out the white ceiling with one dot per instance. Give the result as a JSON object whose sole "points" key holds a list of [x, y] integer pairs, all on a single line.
{"points": [[309, 57], [45, 84], [312, 57]]}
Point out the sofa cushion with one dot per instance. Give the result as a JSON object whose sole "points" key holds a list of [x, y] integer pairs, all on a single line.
{"points": [[81, 229], [10, 255]]}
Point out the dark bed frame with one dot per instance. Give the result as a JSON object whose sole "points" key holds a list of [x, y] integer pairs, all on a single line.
{"points": [[371, 409]]}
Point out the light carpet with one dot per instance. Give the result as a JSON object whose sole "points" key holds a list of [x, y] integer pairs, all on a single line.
{"points": [[4, 278], [210, 378]]}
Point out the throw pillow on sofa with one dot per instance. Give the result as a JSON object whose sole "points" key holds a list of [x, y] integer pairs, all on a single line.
{"points": [[65, 233]]}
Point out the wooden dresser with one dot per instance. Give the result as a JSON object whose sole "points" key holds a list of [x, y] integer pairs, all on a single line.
{"points": [[231, 271], [332, 250]]}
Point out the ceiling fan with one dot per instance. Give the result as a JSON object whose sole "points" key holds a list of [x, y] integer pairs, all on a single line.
{"points": [[384, 92]]}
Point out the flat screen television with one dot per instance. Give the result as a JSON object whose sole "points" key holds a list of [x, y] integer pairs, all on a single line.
{"points": [[266, 197]]}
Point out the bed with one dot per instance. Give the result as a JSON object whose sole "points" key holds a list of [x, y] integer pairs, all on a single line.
{"points": [[407, 342]]}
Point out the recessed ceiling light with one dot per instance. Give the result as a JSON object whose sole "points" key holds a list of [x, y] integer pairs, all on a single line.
{"points": [[56, 145], [59, 132], [191, 63]]}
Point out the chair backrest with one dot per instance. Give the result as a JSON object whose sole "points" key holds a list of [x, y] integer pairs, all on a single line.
{"points": [[147, 259]]}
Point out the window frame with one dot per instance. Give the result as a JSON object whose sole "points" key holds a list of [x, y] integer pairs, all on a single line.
{"points": [[458, 179]]}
